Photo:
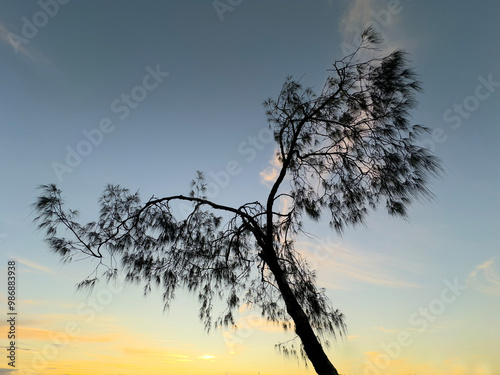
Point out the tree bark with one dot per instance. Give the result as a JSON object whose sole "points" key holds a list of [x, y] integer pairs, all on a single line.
{"points": [[303, 328]]}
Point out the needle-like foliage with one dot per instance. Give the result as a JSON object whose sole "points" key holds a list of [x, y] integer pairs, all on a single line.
{"points": [[343, 151]]}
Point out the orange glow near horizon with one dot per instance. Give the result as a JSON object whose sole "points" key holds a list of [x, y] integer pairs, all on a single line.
{"points": [[131, 354]]}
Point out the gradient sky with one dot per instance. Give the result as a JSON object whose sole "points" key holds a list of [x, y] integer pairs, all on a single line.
{"points": [[420, 296]]}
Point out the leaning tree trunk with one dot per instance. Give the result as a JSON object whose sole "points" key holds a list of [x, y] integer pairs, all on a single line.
{"points": [[303, 328]]}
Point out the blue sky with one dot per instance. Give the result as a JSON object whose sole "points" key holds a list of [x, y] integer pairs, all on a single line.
{"points": [[212, 64]]}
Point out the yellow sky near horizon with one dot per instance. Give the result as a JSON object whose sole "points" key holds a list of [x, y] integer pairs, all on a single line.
{"points": [[76, 342]]}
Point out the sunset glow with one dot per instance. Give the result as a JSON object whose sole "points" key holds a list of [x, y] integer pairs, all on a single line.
{"points": [[144, 94]]}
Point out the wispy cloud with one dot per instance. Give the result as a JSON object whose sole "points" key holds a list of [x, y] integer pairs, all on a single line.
{"points": [[13, 41], [486, 277], [391, 330], [353, 337], [356, 16], [33, 302], [355, 267], [33, 265], [153, 353], [207, 357], [7, 37], [383, 329], [385, 17], [29, 333]]}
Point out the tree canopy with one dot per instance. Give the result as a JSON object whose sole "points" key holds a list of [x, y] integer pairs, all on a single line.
{"points": [[343, 152]]}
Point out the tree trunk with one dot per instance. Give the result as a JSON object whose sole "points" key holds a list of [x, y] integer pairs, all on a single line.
{"points": [[303, 328]]}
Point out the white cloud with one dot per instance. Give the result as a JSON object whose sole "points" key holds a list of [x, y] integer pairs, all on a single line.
{"points": [[485, 278], [357, 16], [385, 17], [270, 173], [6, 37], [12, 39], [383, 329], [32, 265], [353, 267], [207, 357]]}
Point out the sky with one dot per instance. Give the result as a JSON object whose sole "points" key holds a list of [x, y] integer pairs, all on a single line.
{"points": [[144, 94]]}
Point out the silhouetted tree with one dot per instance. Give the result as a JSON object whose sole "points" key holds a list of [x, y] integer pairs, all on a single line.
{"points": [[344, 151]]}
